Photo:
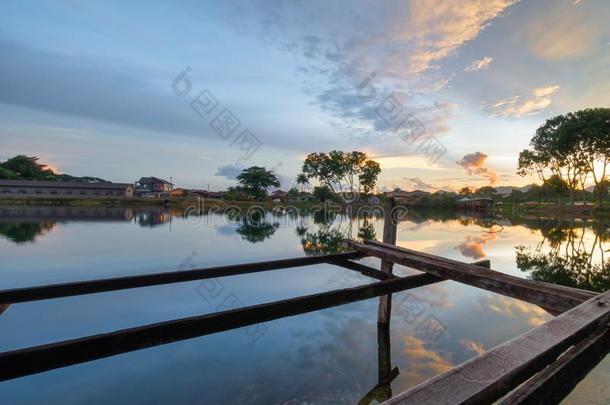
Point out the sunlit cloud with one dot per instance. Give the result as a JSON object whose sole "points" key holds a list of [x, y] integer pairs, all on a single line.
{"points": [[440, 27], [424, 362], [472, 346], [513, 308], [519, 106], [474, 163], [472, 246], [479, 64]]}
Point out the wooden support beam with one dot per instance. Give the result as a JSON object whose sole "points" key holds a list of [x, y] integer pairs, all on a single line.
{"points": [[555, 382], [487, 377], [121, 283], [4, 307], [37, 359], [363, 269], [555, 298]]}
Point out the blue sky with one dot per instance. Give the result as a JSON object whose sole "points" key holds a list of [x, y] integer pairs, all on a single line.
{"points": [[87, 86]]}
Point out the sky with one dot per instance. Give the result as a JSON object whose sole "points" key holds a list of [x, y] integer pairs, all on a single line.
{"points": [[442, 93]]}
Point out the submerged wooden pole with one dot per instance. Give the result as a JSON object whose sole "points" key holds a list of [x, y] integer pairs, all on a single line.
{"points": [[37, 359], [389, 237]]}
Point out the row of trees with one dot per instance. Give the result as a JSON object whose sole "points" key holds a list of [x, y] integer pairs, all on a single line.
{"points": [[339, 174], [570, 149], [22, 167]]}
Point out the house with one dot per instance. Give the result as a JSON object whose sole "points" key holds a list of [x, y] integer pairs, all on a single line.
{"points": [[178, 192], [279, 195], [304, 197], [475, 203], [64, 189], [153, 187]]}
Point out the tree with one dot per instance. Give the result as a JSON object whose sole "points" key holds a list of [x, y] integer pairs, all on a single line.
{"points": [[465, 191], [323, 193], [293, 193], [342, 171], [256, 180], [26, 168], [487, 192], [592, 127], [557, 185], [368, 175], [571, 146], [302, 180]]}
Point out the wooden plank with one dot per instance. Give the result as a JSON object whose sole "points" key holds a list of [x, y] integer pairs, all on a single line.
{"points": [[487, 377], [554, 383], [548, 296], [585, 294], [144, 280], [4, 307], [36, 359]]}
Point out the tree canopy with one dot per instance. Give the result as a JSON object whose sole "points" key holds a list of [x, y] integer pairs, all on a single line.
{"points": [[572, 147], [256, 180], [351, 172]]}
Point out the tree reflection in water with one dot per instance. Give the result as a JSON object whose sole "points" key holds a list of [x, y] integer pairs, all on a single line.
{"points": [[255, 227], [23, 233], [571, 253], [332, 229]]}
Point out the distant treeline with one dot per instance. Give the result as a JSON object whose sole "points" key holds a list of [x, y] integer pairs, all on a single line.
{"points": [[22, 167]]}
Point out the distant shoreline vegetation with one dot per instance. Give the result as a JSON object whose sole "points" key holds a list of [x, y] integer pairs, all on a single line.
{"points": [[22, 167]]}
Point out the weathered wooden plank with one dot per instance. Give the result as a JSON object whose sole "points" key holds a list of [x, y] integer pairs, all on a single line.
{"points": [[36, 359], [491, 375], [555, 382], [144, 280], [584, 294], [548, 296]]}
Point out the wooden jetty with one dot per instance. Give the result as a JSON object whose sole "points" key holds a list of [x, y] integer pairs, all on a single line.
{"points": [[542, 365]]}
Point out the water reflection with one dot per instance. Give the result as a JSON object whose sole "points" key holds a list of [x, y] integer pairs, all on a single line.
{"points": [[341, 354], [570, 253]]}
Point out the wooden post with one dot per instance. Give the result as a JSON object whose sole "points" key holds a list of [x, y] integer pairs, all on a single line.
{"points": [[389, 237]]}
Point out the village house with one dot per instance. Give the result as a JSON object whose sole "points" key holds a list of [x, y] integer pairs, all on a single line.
{"points": [[475, 203], [64, 189], [153, 187]]}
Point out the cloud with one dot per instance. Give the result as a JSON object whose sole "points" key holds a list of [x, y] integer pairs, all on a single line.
{"points": [[479, 64], [544, 91], [440, 27], [229, 172], [415, 183], [514, 308], [472, 246], [401, 44], [423, 362], [474, 165], [473, 346], [519, 106]]}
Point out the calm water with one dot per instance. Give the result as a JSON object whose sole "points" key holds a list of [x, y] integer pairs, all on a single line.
{"points": [[324, 357]]}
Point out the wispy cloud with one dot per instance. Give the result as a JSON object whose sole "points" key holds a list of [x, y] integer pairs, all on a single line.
{"points": [[522, 105], [479, 64], [440, 27]]}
